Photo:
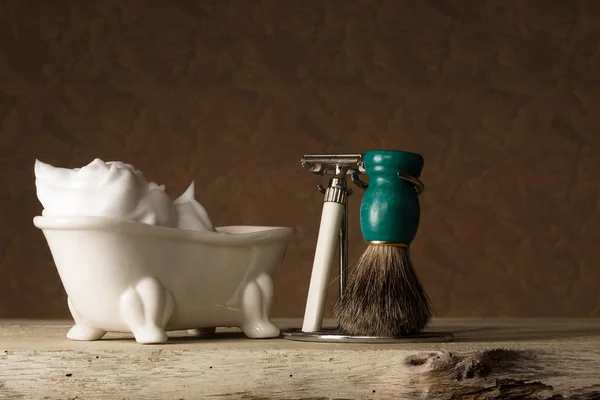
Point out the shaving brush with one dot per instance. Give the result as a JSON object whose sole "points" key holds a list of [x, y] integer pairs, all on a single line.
{"points": [[383, 294]]}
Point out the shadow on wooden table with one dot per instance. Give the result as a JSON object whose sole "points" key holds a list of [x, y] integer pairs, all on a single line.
{"points": [[516, 334]]}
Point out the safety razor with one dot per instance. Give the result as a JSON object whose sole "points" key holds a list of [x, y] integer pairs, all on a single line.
{"points": [[332, 230]]}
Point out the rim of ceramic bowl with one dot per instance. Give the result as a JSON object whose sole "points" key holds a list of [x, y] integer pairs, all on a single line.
{"points": [[225, 235]]}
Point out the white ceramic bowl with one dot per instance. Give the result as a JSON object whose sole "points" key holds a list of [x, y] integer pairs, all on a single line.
{"points": [[126, 276]]}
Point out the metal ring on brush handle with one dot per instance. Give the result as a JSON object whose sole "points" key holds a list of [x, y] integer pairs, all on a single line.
{"points": [[419, 187], [358, 182]]}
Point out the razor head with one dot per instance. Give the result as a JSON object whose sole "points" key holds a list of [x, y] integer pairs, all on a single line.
{"points": [[323, 164]]}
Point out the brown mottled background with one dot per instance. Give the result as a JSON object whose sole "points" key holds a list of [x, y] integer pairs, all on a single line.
{"points": [[501, 97]]}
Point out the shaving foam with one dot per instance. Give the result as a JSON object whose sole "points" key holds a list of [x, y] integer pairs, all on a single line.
{"points": [[117, 190]]}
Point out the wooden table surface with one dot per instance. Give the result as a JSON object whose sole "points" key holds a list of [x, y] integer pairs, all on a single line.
{"points": [[489, 359]]}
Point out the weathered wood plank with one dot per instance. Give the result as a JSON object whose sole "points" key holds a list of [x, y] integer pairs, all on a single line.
{"points": [[490, 359]]}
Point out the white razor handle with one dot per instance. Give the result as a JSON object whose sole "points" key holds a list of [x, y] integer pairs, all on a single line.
{"points": [[329, 230]]}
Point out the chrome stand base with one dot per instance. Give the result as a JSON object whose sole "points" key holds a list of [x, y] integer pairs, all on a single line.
{"points": [[335, 336]]}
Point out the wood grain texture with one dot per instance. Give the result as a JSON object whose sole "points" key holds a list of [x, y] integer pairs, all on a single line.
{"points": [[499, 96], [490, 359]]}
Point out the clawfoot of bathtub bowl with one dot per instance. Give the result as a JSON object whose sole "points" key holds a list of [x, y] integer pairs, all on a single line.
{"points": [[257, 299], [146, 308], [81, 330]]}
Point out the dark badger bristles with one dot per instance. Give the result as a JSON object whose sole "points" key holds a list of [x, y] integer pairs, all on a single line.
{"points": [[383, 295]]}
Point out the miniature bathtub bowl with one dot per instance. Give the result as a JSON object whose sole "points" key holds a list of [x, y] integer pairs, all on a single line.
{"points": [[126, 276]]}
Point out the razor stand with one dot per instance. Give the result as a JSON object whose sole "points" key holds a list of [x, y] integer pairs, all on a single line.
{"points": [[333, 233]]}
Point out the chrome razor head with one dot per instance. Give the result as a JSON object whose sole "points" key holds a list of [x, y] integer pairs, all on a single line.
{"points": [[324, 164]]}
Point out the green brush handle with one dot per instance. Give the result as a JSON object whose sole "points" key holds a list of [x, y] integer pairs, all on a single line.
{"points": [[390, 210]]}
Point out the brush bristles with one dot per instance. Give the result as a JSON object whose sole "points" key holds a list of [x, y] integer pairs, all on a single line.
{"points": [[383, 295]]}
